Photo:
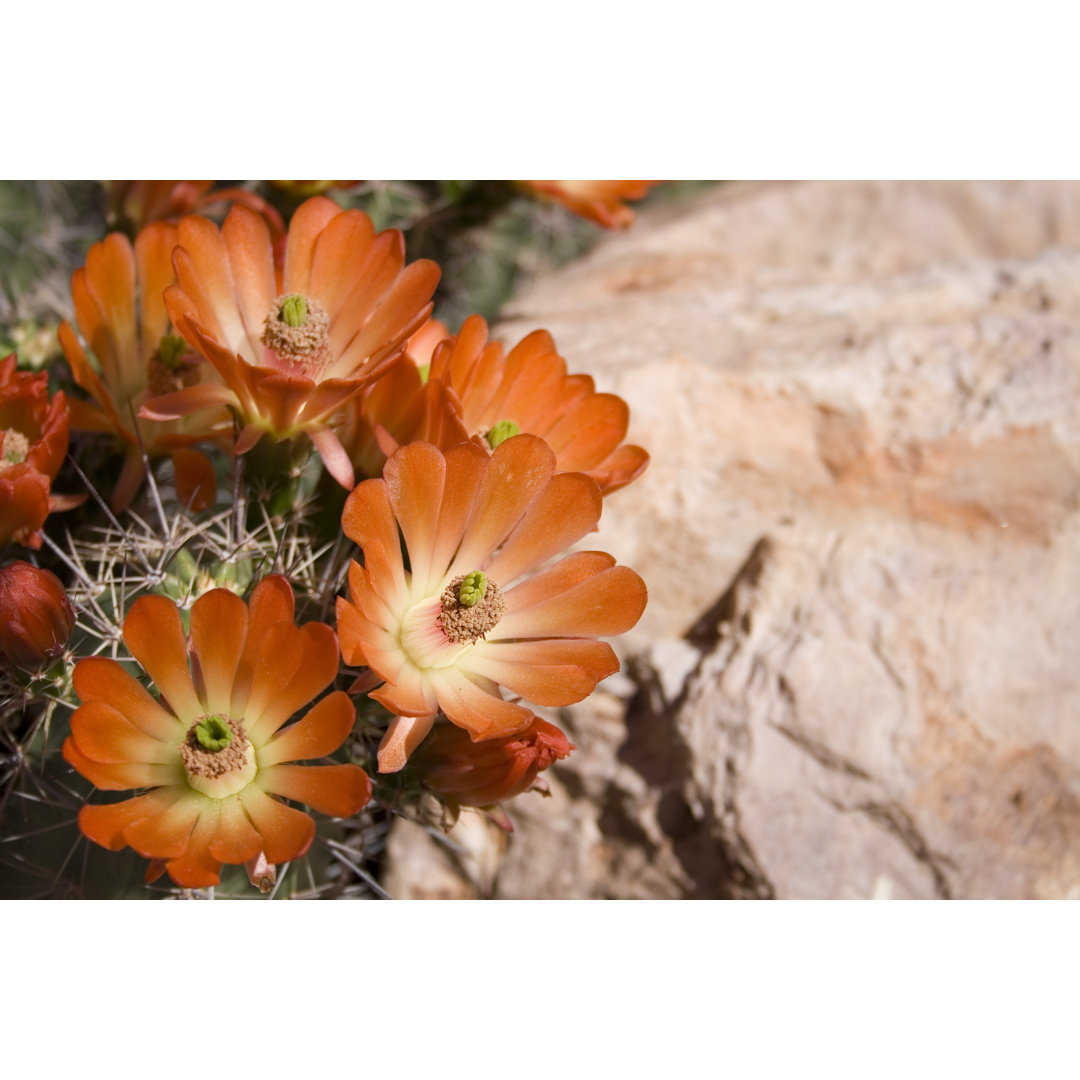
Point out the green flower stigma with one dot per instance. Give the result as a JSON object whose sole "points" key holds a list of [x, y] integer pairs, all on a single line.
{"points": [[503, 430], [294, 310], [473, 589], [171, 351], [213, 733], [424, 371]]}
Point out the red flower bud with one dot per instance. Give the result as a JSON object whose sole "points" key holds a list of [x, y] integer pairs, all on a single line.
{"points": [[35, 615], [480, 773]]}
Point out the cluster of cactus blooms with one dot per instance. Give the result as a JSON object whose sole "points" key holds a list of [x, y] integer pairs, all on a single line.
{"points": [[331, 560]]}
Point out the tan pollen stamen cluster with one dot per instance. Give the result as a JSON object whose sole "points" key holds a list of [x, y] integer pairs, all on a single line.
{"points": [[304, 344], [465, 625], [211, 764], [14, 447]]}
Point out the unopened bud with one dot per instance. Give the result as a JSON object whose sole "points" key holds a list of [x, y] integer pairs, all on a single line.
{"points": [[36, 617]]}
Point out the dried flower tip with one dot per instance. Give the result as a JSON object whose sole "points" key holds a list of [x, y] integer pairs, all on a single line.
{"points": [[261, 874], [154, 869], [503, 430], [471, 606], [15, 448]]}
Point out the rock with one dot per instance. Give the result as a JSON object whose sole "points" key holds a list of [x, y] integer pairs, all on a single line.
{"points": [[857, 672]]}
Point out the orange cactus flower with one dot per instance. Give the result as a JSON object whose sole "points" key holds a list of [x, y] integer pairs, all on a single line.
{"points": [[294, 338], [598, 200], [138, 202], [470, 616], [477, 390], [121, 312], [33, 442], [213, 748], [395, 409], [468, 773]]}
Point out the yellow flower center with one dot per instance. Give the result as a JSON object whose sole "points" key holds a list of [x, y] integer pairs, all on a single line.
{"points": [[14, 448], [297, 330], [218, 756]]}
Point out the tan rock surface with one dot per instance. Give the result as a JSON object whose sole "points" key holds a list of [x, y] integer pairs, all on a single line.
{"points": [[858, 667]]}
